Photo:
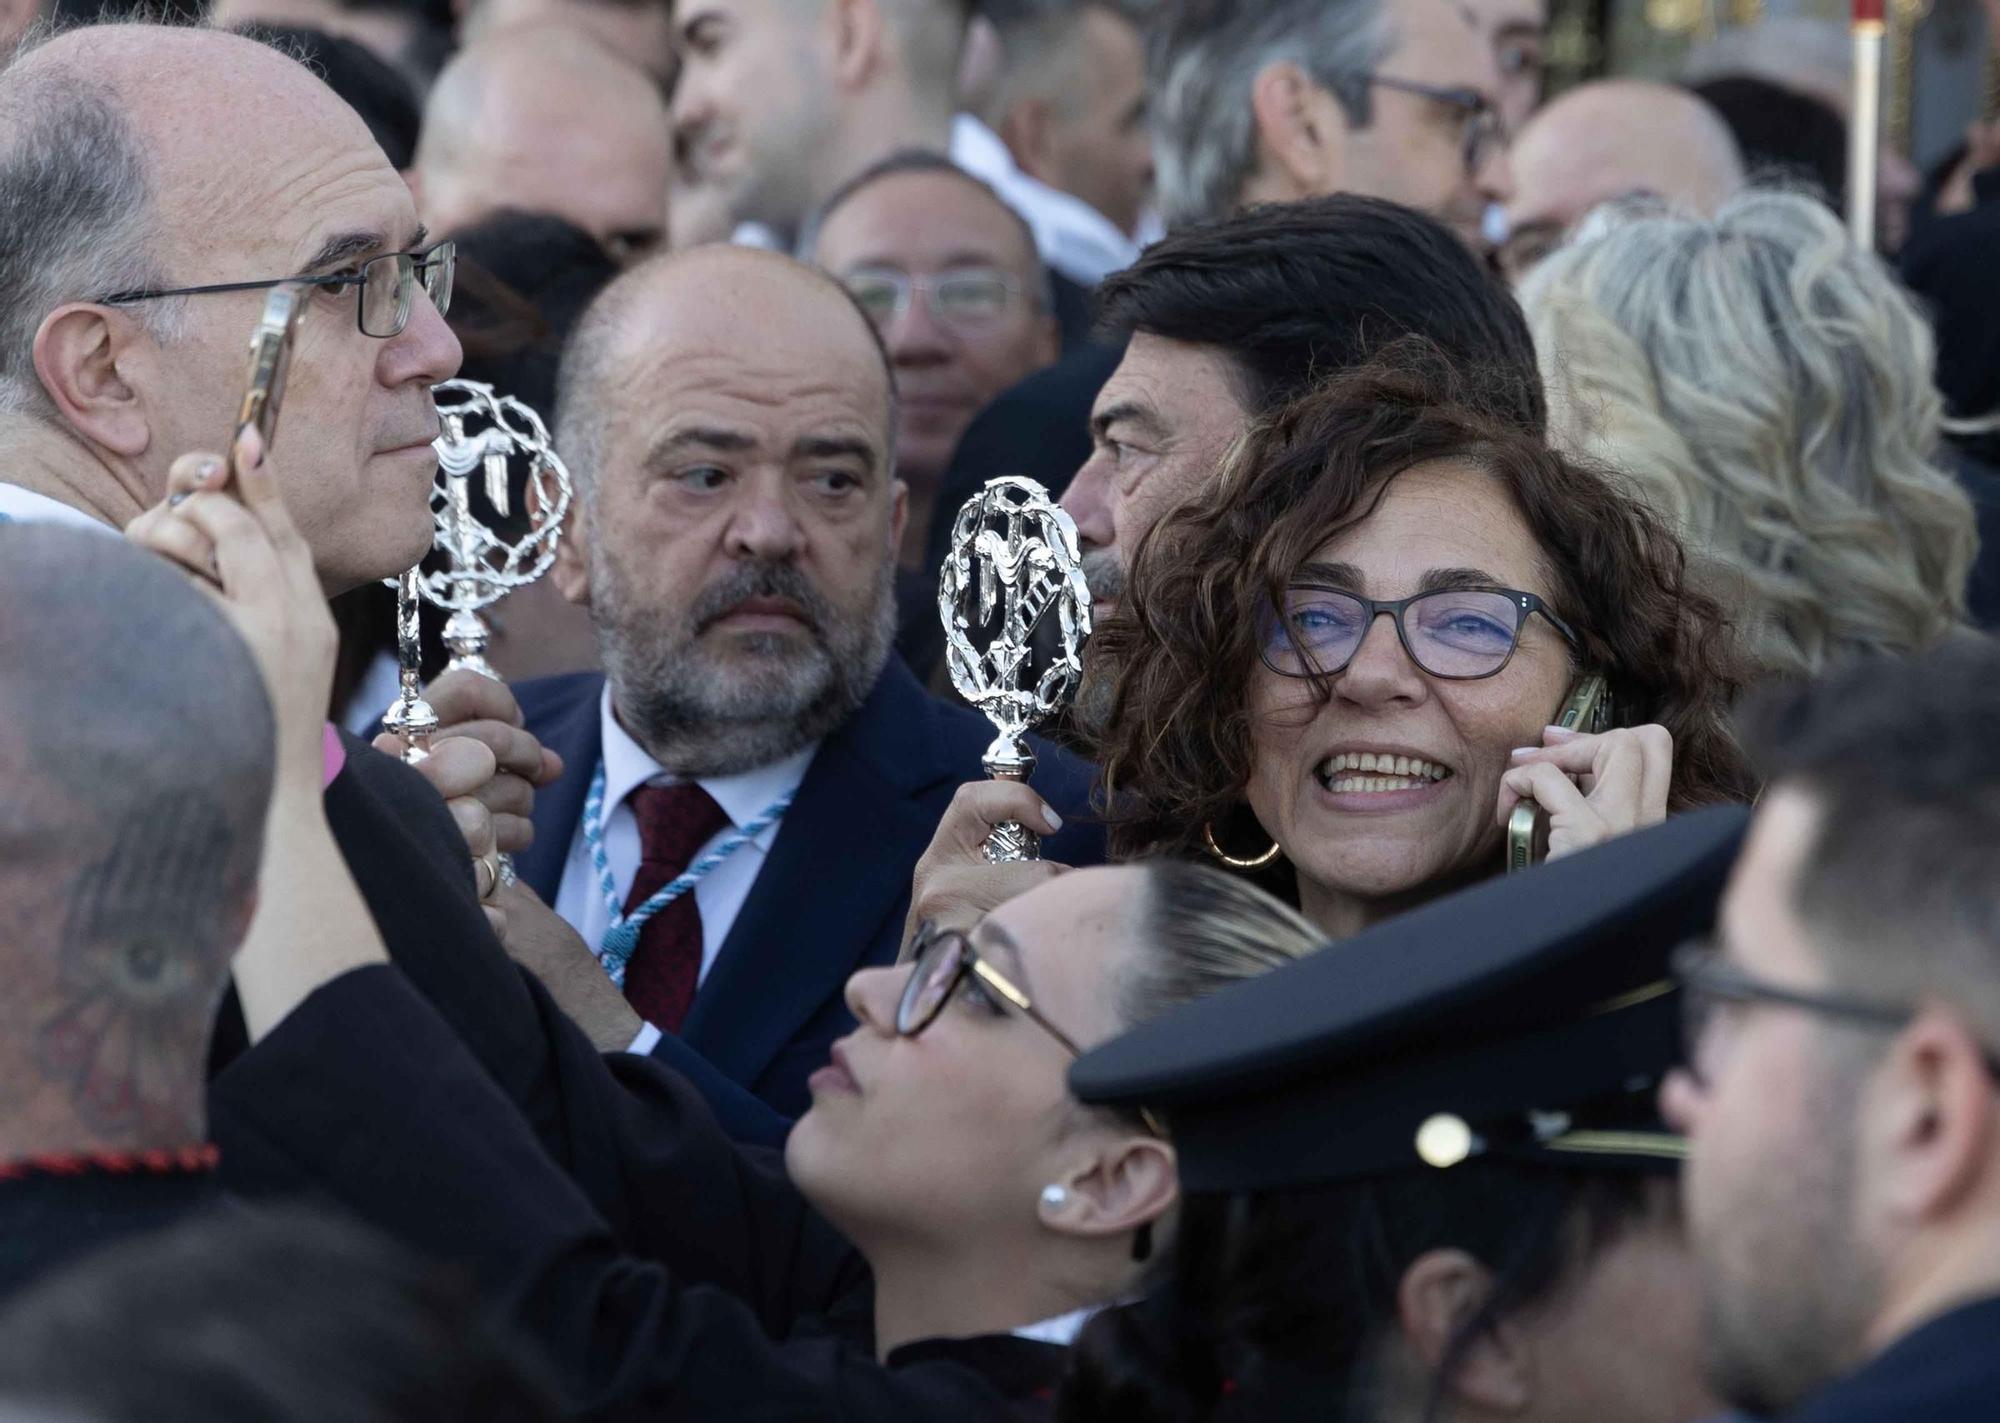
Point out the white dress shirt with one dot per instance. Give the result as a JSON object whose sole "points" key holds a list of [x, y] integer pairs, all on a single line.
{"points": [[1072, 236], [1063, 1329], [19, 505], [721, 894]]}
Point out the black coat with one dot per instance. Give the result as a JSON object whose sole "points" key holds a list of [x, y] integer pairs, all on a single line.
{"points": [[594, 1198], [1039, 428], [740, 1305], [1947, 1371], [834, 893], [50, 1221]]}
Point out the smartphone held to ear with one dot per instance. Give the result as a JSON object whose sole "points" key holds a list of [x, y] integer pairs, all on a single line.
{"points": [[1588, 710], [270, 362]]}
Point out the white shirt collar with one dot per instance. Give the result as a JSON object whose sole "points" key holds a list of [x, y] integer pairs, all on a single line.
{"points": [[742, 797], [1062, 1330], [1072, 236], [25, 506]]}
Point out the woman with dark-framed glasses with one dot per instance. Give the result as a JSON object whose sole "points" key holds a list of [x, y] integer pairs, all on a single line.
{"points": [[1345, 665], [946, 1216]]}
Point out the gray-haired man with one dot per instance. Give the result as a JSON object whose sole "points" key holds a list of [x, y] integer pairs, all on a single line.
{"points": [[1276, 100]]}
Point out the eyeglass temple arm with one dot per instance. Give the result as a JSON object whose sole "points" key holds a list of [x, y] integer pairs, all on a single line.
{"points": [[996, 981]]}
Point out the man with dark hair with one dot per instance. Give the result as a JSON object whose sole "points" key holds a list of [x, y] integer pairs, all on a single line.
{"points": [[1276, 101], [1842, 1102], [1230, 318], [136, 746]]}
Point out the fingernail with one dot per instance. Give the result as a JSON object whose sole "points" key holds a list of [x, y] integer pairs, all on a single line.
{"points": [[1049, 815], [174, 501], [209, 470], [1524, 751], [252, 445]]}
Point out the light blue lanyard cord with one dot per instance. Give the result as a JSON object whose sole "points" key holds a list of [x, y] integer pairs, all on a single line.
{"points": [[621, 938]]}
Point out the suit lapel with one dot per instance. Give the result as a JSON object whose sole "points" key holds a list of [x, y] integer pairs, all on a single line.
{"points": [[569, 726], [838, 869]]}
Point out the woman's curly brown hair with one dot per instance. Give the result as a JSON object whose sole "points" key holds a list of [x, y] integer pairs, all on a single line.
{"points": [[1178, 748]]}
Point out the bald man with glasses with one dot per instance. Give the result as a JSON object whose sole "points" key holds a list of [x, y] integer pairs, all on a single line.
{"points": [[155, 182]]}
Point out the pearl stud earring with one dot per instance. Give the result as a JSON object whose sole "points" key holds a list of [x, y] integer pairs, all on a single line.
{"points": [[1055, 1197]]}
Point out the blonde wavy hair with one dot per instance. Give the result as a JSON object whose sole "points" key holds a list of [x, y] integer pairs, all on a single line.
{"points": [[1768, 387]]}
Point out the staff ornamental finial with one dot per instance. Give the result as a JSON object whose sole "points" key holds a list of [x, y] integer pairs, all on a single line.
{"points": [[1014, 563], [482, 564]]}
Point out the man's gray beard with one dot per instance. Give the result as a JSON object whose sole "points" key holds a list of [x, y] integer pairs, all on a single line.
{"points": [[1096, 693], [1796, 1299], [701, 714]]}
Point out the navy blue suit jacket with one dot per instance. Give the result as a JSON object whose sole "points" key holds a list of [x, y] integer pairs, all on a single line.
{"points": [[1946, 1371], [834, 891]]}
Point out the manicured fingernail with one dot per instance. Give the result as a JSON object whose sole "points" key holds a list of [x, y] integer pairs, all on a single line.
{"points": [[1524, 751], [251, 442], [174, 501], [1050, 817], [209, 470], [1563, 731]]}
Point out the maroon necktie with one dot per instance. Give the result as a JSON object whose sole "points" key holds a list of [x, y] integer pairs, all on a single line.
{"points": [[674, 822]]}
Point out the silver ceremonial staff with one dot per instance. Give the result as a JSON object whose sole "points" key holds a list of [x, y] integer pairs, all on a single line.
{"points": [[483, 434], [1013, 562]]}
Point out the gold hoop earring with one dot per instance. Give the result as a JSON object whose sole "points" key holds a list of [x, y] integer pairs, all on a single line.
{"points": [[1208, 834]]}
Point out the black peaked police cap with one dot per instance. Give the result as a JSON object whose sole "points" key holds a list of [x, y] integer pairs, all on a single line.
{"points": [[1530, 1017]]}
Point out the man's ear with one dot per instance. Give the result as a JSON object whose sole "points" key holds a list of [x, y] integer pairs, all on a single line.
{"points": [[1131, 1182], [1440, 1295], [85, 357], [1301, 134], [571, 571], [1025, 130], [1931, 1113], [858, 37], [899, 514]]}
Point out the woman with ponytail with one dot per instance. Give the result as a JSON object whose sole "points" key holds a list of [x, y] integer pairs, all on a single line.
{"points": [[947, 1215]]}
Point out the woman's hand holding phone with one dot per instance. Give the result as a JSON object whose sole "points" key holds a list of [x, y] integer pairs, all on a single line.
{"points": [[1593, 787]]}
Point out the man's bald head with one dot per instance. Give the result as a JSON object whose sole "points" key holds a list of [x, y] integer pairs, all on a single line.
{"points": [[546, 119], [1610, 140], [186, 92], [728, 415], [137, 158], [741, 304], [136, 753]]}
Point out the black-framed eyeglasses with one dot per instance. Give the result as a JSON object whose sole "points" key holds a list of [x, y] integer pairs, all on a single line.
{"points": [[942, 960], [1708, 981], [1484, 129], [384, 287], [1459, 634], [969, 300]]}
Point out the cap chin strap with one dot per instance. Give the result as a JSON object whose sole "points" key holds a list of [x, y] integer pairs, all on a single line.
{"points": [[1661, 1146]]}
